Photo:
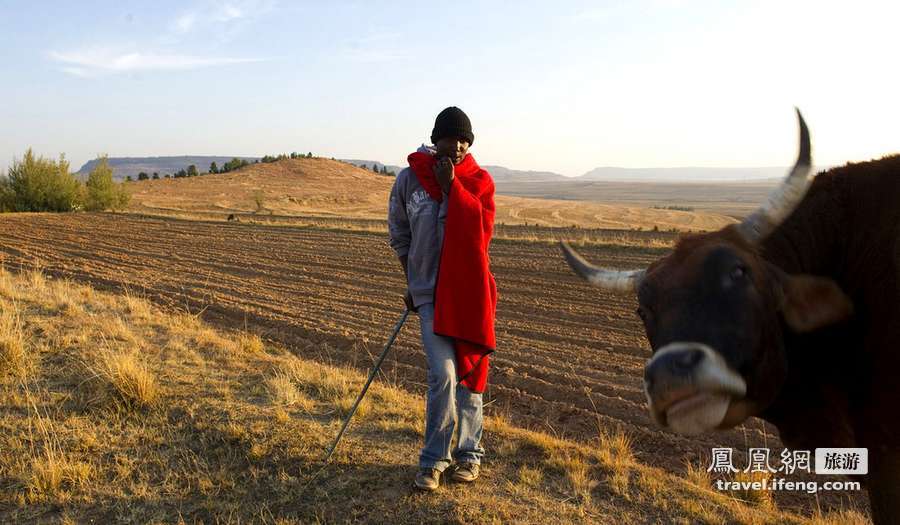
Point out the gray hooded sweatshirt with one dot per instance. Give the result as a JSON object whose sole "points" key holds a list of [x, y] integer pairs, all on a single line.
{"points": [[416, 229]]}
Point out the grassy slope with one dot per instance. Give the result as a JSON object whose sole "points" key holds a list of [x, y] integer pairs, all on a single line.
{"points": [[326, 188], [112, 410]]}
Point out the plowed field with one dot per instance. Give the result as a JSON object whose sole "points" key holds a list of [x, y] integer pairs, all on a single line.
{"points": [[569, 356]]}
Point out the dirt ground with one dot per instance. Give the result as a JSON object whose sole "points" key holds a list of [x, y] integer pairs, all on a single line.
{"points": [[569, 360]]}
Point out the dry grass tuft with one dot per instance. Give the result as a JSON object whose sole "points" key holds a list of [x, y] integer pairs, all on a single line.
{"points": [[210, 340], [697, 476], [331, 386], [701, 511], [137, 307], [530, 477], [47, 472], [14, 358], [64, 298], [615, 450], [577, 473], [757, 497], [620, 483], [8, 288], [285, 393], [250, 343], [126, 377], [841, 517], [52, 475], [37, 282]]}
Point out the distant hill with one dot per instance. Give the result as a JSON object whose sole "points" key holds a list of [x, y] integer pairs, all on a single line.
{"points": [[501, 175], [368, 164], [331, 188], [130, 166], [315, 186], [682, 174]]}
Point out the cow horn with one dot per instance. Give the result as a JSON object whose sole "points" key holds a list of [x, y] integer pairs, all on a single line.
{"points": [[785, 197], [614, 280]]}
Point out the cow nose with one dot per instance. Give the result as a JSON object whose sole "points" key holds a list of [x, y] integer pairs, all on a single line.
{"points": [[678, 364]]}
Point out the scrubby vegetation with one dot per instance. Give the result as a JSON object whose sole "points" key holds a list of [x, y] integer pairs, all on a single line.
{"points": [[674, 208], [36, 184], [101, 192]]}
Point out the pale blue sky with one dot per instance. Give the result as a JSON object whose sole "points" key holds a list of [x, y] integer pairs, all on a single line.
{"points": [[560, 86]]}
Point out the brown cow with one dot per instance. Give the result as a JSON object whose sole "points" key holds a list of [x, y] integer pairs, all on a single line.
{"points": [[792, 315]]}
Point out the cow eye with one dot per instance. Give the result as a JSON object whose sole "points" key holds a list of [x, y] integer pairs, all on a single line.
{"points": [[738, 273]]}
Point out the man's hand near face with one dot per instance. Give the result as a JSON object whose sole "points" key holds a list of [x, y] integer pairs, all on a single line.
{"points": [[443, 170]]}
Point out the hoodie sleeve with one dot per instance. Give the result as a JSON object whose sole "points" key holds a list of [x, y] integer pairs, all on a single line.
{"points": [[398, 222]]}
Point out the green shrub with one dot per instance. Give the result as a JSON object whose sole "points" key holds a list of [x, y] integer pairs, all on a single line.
{"points": [[39, 184], [102, 192]]}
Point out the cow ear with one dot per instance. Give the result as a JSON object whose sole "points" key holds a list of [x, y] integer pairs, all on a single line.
{"points": [[809, 302]]}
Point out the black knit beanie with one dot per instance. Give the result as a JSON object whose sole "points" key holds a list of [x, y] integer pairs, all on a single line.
{"points": [[452, 122]]}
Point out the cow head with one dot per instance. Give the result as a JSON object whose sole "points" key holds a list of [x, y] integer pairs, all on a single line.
{"points": [[712, 312]]}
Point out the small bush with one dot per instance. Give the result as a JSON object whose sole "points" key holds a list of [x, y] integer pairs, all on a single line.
{"points": [[102, 192], [38, 184]]}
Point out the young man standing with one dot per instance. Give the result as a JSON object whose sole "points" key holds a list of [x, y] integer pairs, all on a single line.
{"points": [[440, 220]]}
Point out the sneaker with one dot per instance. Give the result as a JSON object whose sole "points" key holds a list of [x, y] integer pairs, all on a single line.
{"points": [[428, 479], [465, 472]]}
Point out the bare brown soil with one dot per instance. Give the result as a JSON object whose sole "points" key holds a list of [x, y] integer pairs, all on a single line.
{"points": [[570, 357]]}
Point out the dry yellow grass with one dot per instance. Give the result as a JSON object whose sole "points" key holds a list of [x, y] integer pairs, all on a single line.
{"points": [[205, 433], [285, 392], [52, 475], [250, 343], [614, 448], [758, 497], [13, 357], [842, 517], [698, 475], [125, 377]]}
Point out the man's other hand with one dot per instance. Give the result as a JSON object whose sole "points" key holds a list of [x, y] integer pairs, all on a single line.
{"points": [[443, 171]]}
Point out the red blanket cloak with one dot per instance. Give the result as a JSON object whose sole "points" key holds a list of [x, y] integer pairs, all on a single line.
{"points": [[465, 294]]}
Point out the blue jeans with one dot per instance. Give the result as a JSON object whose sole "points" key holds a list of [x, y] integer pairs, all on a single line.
{"points": [[449, 406]]}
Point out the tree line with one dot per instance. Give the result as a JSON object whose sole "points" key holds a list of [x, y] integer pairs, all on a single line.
{"points": [[231, 165], [381, 171], [36, 184]]}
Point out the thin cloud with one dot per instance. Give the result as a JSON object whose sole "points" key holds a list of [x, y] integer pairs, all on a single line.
{"points": [[93, 62], [185, 23], [228, 12], [210, 14], [376, 47]]}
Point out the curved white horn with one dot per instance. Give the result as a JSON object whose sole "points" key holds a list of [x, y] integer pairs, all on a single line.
{"points": [[615, 280], [785, 197]]}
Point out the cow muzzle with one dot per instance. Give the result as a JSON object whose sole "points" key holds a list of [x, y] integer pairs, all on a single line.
{"points": [[689, 387]]}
